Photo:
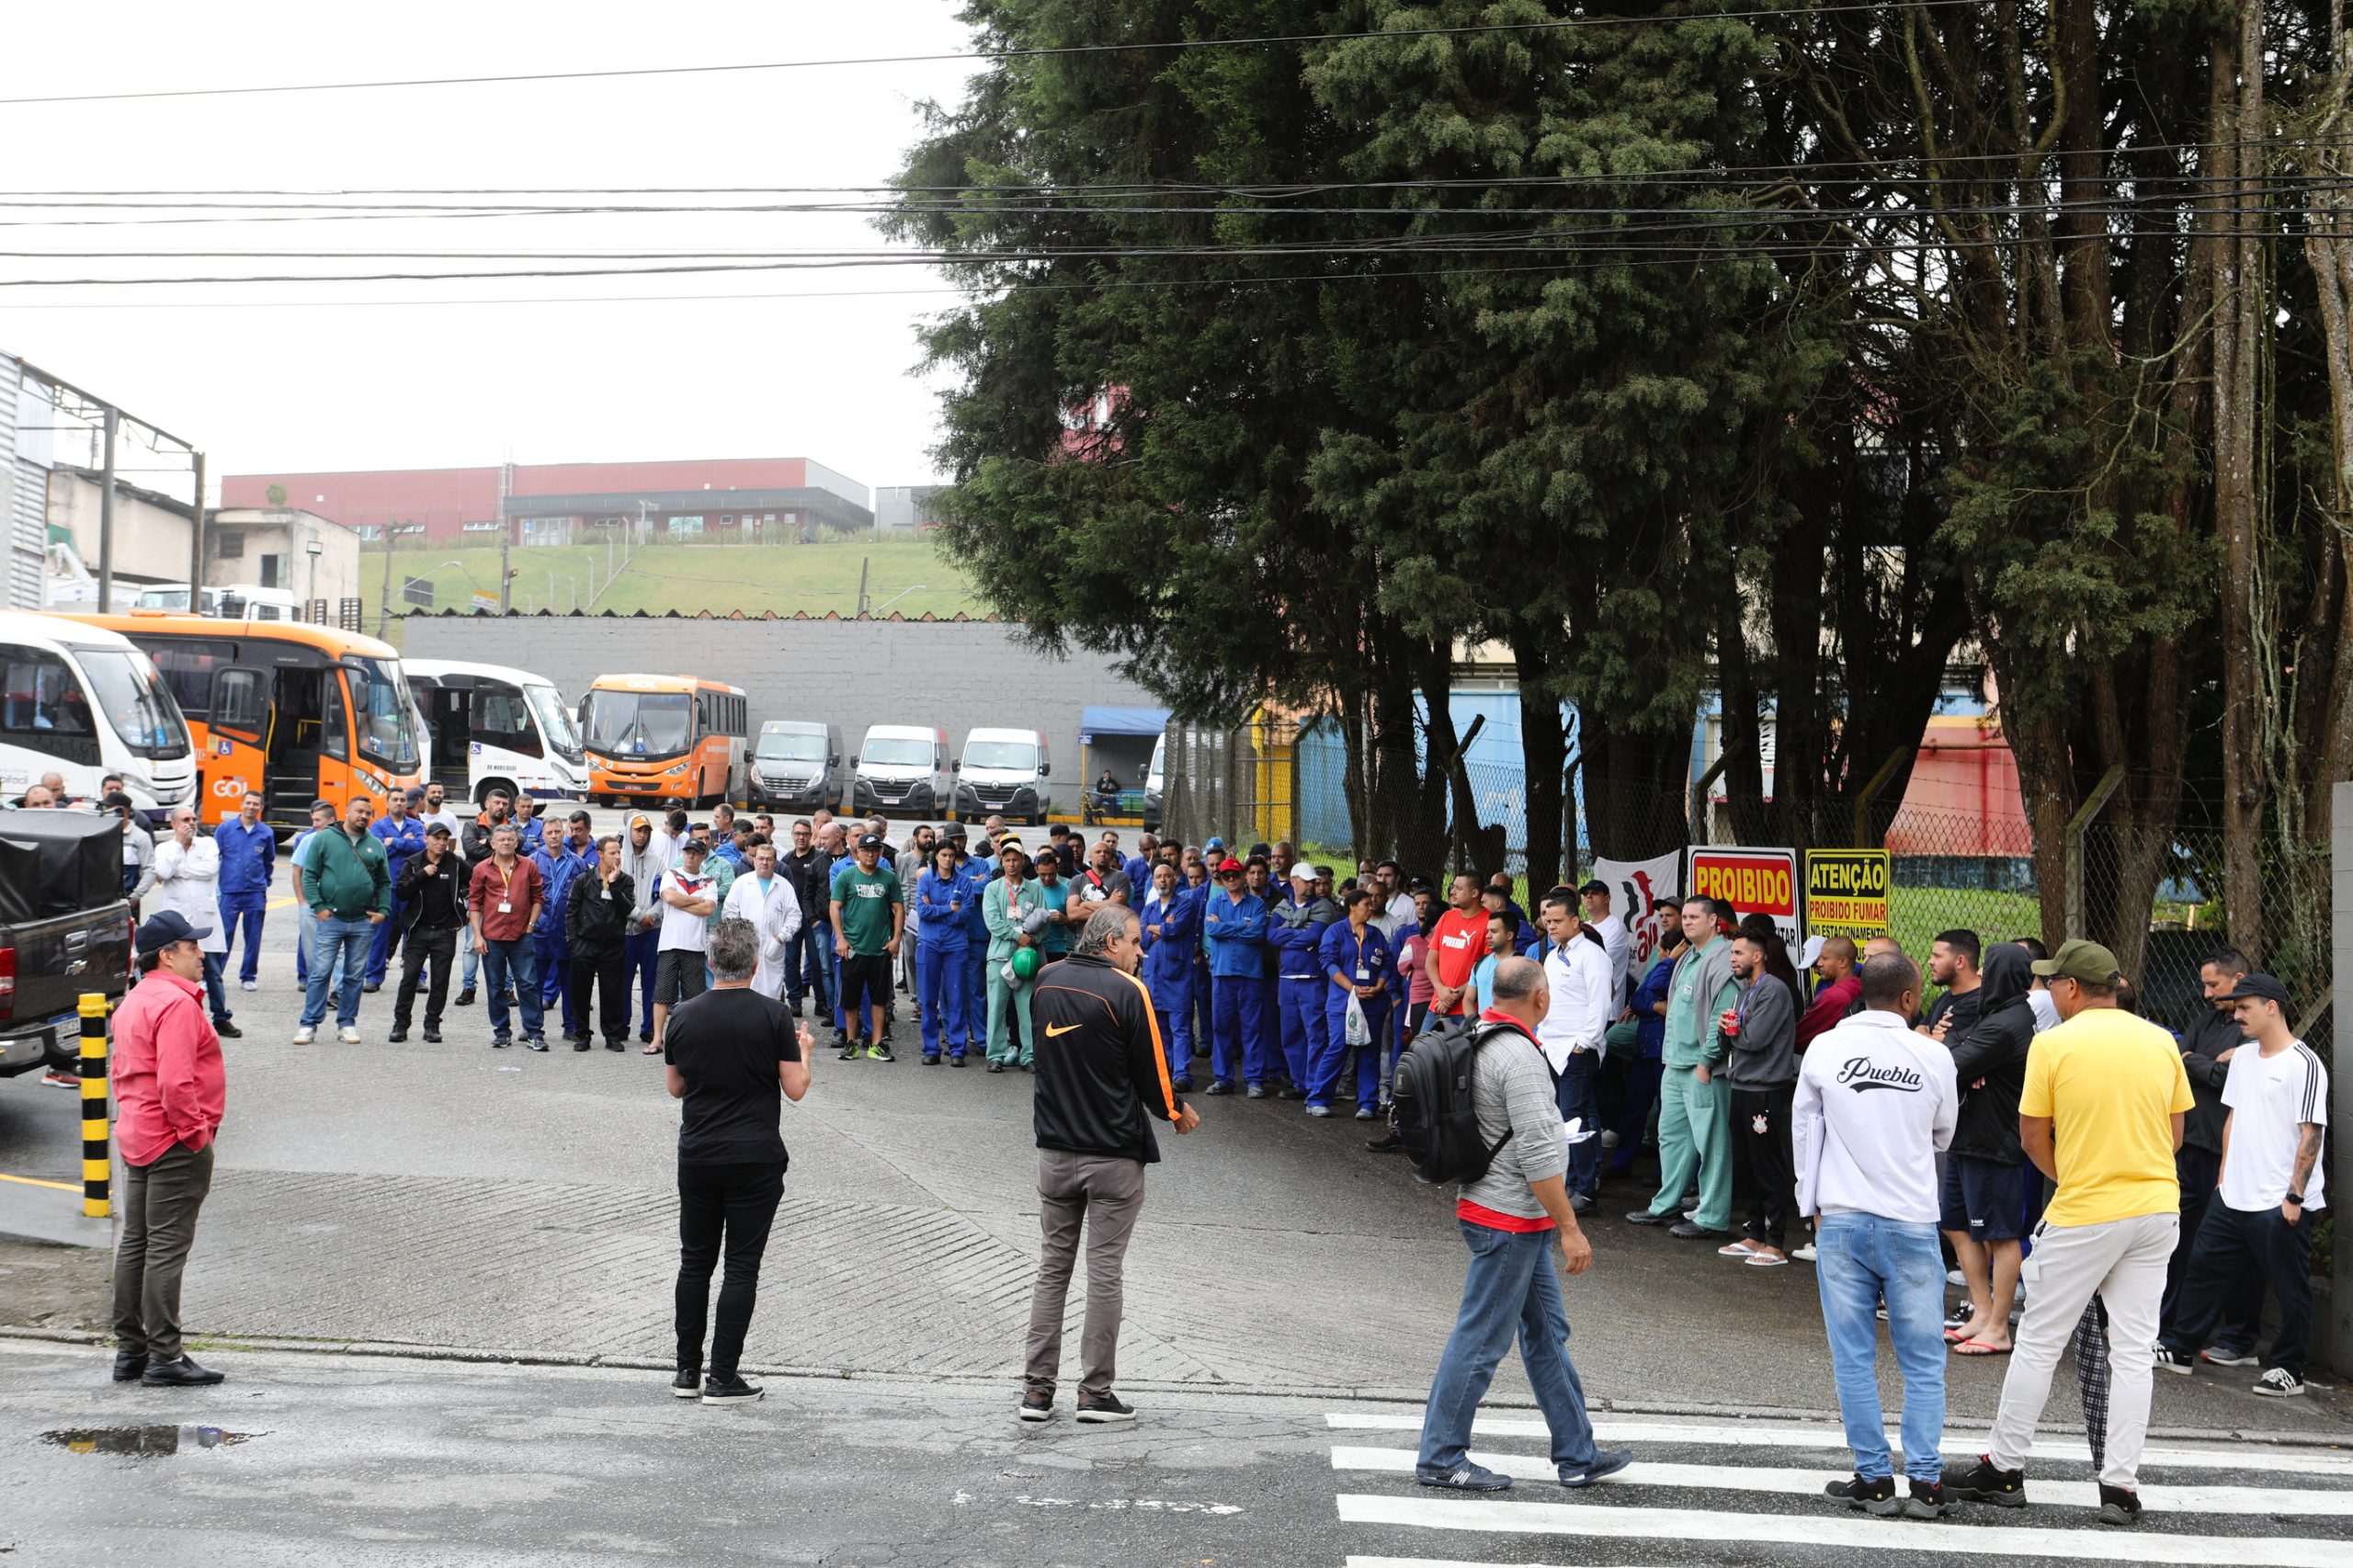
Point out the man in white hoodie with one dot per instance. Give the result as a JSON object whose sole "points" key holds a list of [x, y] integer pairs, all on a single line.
{"points": [[1875, 1102]]}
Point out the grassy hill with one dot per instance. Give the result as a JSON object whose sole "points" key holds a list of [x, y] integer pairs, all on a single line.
{"points": [[903, 576]]}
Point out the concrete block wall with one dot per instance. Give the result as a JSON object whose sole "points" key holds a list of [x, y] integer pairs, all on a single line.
{"points": [[956, 674]]}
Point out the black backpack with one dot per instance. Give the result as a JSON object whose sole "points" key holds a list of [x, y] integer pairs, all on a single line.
{"points": [[1431, 1105]]}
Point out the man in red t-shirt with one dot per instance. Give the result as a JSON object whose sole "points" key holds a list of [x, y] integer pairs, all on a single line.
{"points": [[1840, 985], [1456, 943], [502, 904]]}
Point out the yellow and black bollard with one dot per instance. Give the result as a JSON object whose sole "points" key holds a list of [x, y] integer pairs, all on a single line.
{"points": [[98, 1133]]}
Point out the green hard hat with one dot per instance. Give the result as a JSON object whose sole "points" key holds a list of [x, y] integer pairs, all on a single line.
{"points": [[1025, 962]]}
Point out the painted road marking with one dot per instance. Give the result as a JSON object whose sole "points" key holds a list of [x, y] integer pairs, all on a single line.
{"points": [[2262, 1457], [36, 1181], [2229, 1500], [1833, 1529]]}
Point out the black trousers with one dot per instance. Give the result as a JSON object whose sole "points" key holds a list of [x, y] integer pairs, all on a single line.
{"points": [[2243, 1308], [603, 977], [2235, 1247], [1764, 1164], [439, 948], [729, 1207]]}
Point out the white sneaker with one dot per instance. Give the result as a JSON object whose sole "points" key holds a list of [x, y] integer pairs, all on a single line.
{"points": [[2280, 1383], [348, 1036], [1955, 1277], [249, 985], [1804, 1253], [305, 1035]]}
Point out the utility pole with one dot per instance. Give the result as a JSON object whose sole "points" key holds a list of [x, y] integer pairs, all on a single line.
{"points": [[506, 484], [106, 517], [862, 562], [195, 544], [384, 595]]}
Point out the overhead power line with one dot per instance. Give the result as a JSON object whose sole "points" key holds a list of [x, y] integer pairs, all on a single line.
{"points": [[1558, 23]]}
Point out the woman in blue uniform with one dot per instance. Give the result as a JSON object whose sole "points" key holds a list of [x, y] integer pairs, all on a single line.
{"points": [[1172, 926], [1357, 963], [942, 957]]}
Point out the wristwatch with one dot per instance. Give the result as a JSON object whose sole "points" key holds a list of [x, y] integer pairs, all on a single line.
{"points": [[2297, 1199]]}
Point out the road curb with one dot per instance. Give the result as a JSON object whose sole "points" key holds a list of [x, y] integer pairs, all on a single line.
{"points": [[467, 1355]]}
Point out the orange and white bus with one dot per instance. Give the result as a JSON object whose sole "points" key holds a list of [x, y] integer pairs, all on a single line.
{"points": [[652, 739], [284, 710]]}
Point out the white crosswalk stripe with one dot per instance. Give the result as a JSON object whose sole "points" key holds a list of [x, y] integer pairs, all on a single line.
{"points": [[1762, 1505]]}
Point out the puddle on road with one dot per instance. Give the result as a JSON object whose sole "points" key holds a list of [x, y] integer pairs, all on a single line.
{"points": [[144, 1442]]}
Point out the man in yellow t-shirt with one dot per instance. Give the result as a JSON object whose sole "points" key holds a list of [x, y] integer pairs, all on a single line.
{"points": [[2101, 1115]]}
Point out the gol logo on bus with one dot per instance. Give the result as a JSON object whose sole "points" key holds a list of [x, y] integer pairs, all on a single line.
{"points": [[1751, 880]]}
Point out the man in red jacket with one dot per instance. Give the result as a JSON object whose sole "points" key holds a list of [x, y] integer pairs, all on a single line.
{"points": [[169, 1088], [1834, 962]]}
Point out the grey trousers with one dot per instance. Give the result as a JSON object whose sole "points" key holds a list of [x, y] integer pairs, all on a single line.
{"points": [[159, 1208], [1104, 1193]]}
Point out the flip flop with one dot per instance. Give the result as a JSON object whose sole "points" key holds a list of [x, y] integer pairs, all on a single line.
{"points": [[1736, 1249], [649, 1051], [1767, 1260], [1979, 1347], [1954, 1337]]}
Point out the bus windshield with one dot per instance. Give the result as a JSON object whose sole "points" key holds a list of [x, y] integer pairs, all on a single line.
{"points": [[897, 753], [166, 598], [640, 723], [136, 702], [555, 720], [382, 713], [783, 746]]}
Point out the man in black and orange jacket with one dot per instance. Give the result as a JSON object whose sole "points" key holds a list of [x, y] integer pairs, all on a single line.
{"points": [[1102, 1075]]}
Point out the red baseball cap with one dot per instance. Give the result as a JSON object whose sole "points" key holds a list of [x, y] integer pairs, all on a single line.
{"points": [[1228, 864]]}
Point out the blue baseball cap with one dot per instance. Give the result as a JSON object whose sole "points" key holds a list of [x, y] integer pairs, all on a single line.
{"points": [[161, 930]]}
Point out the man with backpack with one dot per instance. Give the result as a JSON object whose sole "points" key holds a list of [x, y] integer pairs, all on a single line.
{"points": [[1477, 1109]]}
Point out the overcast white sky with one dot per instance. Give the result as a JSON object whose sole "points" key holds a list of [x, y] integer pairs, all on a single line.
{"points": [[379, 375]]}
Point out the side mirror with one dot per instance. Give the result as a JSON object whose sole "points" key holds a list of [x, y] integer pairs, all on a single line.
{"points": [[853, 762], [957, 767], [1045, 769]]}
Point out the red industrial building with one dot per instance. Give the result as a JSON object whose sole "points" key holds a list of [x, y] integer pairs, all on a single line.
{"points": [[557, 502]]}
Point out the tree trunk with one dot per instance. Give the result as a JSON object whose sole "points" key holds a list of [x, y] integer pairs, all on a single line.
{"points": [[1544, 755]]}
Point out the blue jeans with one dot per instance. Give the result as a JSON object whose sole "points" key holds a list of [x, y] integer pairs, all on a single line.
{"points": [[1859, 1258], [517, 958], [1513, 1284], [641, 950], [1573, 1093], [335, 941], [213, 991], [241, 910], [809, 964]]}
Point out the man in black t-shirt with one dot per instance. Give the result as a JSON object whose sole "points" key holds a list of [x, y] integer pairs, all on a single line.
{"points": [[734, 1057]]}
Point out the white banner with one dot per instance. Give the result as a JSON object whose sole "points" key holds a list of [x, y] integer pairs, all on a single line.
{"points": [[1633, 885]]}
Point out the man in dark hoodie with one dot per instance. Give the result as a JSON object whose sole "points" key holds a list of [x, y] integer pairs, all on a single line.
{"points": [[1761, 1069], [1985, 1170], [2209, 1042]]}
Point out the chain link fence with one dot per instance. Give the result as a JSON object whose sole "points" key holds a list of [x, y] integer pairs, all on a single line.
{"points": [[2155, 898]]}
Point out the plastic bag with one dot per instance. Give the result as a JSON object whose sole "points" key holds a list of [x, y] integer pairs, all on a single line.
{"points": [[1355, 1032]]}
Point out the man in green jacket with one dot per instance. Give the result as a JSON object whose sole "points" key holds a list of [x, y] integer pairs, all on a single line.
{"points": [[350, 892], [1694, 1116]]}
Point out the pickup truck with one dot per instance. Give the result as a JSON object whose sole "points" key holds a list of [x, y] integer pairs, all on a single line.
{"points": [[64, 929]]}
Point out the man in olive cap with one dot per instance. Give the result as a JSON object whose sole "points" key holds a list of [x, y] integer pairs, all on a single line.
{"points": [[2101, 1115]]}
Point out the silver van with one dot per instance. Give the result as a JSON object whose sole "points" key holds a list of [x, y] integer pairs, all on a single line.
{"points": [[797, 766]]}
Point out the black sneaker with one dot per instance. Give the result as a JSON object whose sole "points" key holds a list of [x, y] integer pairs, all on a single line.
{"points": [[688, 1383], [1874, 1496], [2117, 1506], [881, 1053], [130, 1365], [2175, 1360], [1986, 1482], [398, 1037], [848, 1053], [1037, 1407], [433, 1036], [1927, 1500], [500, 1042], [466, 996], [1467, 1477], [580, 1043], [1644, 1216], [613, 1042], [1606, 1463], [728, 1390], [1218, 1087], [1390, 1142], [931, 1058], [1690, 1230], [997, 1066], [1105, 1407], [370, 988], [228, 1030], [534, 1042], [955, 1061], [182, 1373]]}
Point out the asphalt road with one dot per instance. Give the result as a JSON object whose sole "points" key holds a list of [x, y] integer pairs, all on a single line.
{"points": [[320, 1462]]}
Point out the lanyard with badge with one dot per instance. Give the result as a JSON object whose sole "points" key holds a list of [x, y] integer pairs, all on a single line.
{"points": [[505, 884], [1364, 975]]}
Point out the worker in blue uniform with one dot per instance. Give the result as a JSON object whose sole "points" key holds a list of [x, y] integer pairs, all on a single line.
{"points": [[1359, 965], [1295, 927], [1171, 918], [1235, 922]]}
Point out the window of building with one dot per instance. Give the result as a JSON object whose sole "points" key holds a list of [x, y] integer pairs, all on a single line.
{"points": [[233, 544], [370, 530], [686, 525], [488, 528], [409, 528]]}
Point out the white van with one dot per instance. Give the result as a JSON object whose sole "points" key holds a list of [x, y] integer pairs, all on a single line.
{"points": [[82, 701], [1155, 783], [236, 602], [904, 768], [493, 727], [1003, 771]]}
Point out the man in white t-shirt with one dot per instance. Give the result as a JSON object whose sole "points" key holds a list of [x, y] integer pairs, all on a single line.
{"points": [[1875, 1103], [2271, 1183], [688, 897], [1615, 938]]}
